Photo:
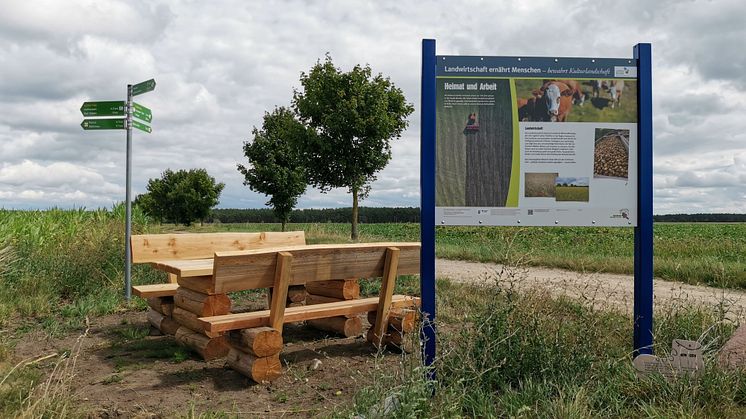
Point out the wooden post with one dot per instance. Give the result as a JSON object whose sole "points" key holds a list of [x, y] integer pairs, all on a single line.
{"points": [[387, 291], [280, 290]]}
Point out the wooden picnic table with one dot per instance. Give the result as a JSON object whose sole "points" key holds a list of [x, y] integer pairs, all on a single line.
{"points": [[185, 268]]}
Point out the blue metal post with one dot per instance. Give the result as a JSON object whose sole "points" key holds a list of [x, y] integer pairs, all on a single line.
{"points": [[643, 306], [427, 203]]}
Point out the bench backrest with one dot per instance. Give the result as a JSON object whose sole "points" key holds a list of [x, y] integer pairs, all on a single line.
{"points": [[154, 247], [236, 271]]}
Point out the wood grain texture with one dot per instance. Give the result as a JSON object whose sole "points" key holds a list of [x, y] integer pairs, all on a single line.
{"points": [[236, 271], [341, 325], [387, 291], [163, 305], [346, 289], [401, 319], [208, 348], [200, 284], [191, 320], [155, 290], [296, 293], [312, 299], [163, 323], [259, 369], [217, 324], [280, 290], [159, 247], [258, 341], [202, 304]]}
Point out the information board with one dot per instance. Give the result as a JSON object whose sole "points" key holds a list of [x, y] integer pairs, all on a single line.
{"points": [[536, 141]]}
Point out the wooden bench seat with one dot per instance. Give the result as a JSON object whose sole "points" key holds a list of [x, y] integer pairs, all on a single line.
{"points": [[284, 267], [261, 318], [155, 290], [173, 307]]}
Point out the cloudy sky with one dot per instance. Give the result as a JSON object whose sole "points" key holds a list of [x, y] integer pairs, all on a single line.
{"points": [[220, 64]]}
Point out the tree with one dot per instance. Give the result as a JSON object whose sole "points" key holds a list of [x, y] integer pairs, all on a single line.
{"points": [[276, 166], [180, 197], [355, 115]]}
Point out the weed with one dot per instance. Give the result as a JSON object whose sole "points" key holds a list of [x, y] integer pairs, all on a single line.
{"points": [[114, 378]]}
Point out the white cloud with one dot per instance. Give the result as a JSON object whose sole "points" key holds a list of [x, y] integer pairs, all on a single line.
{"points": [[220, 65]]}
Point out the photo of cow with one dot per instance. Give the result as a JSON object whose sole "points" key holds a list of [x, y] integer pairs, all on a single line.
{"points": [[569, 100]]}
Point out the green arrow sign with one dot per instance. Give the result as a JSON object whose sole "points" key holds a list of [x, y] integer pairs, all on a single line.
{"points": [[144, 87], [110, 108], [141, 112], [142, 127], [106, 123]]}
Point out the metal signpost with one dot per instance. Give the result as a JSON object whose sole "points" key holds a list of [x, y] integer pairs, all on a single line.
{"points": [[128, 109], [501, 146]]}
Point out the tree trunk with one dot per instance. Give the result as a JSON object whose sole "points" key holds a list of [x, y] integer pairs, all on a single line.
{"points": [[283, 225], [354, 235]]}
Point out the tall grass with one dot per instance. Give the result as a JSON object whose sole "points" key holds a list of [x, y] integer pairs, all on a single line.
{"points": [[67, 262], [509, 354]]}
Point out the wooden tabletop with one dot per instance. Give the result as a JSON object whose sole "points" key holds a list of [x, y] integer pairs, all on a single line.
{"points": [[185, 268]]}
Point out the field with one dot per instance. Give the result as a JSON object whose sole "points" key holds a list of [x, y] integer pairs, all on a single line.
{"points": [[503, 353], [540, 185], [473, 168], [572, 193]]}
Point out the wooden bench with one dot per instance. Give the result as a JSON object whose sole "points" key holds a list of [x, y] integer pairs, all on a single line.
{"points": [[150, 248], [255, 338], [171, 308]]}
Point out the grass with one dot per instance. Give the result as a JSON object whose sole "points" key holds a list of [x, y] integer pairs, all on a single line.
{"points": [[527, 355], [695, 253], [572, 193], [503, 353]]}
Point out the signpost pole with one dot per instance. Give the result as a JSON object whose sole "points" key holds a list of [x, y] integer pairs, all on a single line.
{"points": [[427, 204], [643, 305], [128, 202]]}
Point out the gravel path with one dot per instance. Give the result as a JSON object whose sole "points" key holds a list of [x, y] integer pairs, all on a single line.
{"points": [[604, 290]]}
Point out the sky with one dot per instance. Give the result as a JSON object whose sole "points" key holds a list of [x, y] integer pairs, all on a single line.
{"points": [[219, 65]]}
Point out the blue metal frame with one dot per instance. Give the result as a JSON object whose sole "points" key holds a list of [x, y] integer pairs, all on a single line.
{"points": [[427, 204], [643, 305]]}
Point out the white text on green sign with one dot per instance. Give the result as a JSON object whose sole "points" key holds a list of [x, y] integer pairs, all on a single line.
{"points": [[142, 127], [144, 87], [104, 108], [141, 112], [105, 123]]}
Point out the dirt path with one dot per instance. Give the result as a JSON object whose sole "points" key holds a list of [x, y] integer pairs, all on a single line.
{"points": [[602, 289]]}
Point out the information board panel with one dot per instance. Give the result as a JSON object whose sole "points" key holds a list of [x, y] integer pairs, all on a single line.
{"points": [[536, 141]]}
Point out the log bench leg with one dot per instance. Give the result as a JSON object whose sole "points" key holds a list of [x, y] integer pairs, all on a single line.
{"points": [[188, 307], [255, 353]]}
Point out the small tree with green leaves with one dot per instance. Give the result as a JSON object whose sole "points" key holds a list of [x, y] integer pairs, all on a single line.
{"points": [[355, 115], [275, 165], [180, 197]]}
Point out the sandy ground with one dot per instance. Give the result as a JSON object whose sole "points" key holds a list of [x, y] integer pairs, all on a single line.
{"points": [[604, 290]]}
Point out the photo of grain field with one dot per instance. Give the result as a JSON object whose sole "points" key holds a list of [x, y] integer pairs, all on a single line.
{"points": [[573, 189], [539, 185], [474, 144]]}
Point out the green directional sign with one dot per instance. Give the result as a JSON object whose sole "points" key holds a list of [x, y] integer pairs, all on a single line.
{"points": [[141, 112], [144, 87], [107, 108], [142, 127], [104, 123]]}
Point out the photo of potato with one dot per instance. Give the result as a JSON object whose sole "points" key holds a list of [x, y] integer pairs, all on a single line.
{"points": [[611, 154]]}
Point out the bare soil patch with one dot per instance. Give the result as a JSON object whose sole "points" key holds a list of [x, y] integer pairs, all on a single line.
{"points": [[154, 376]]}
